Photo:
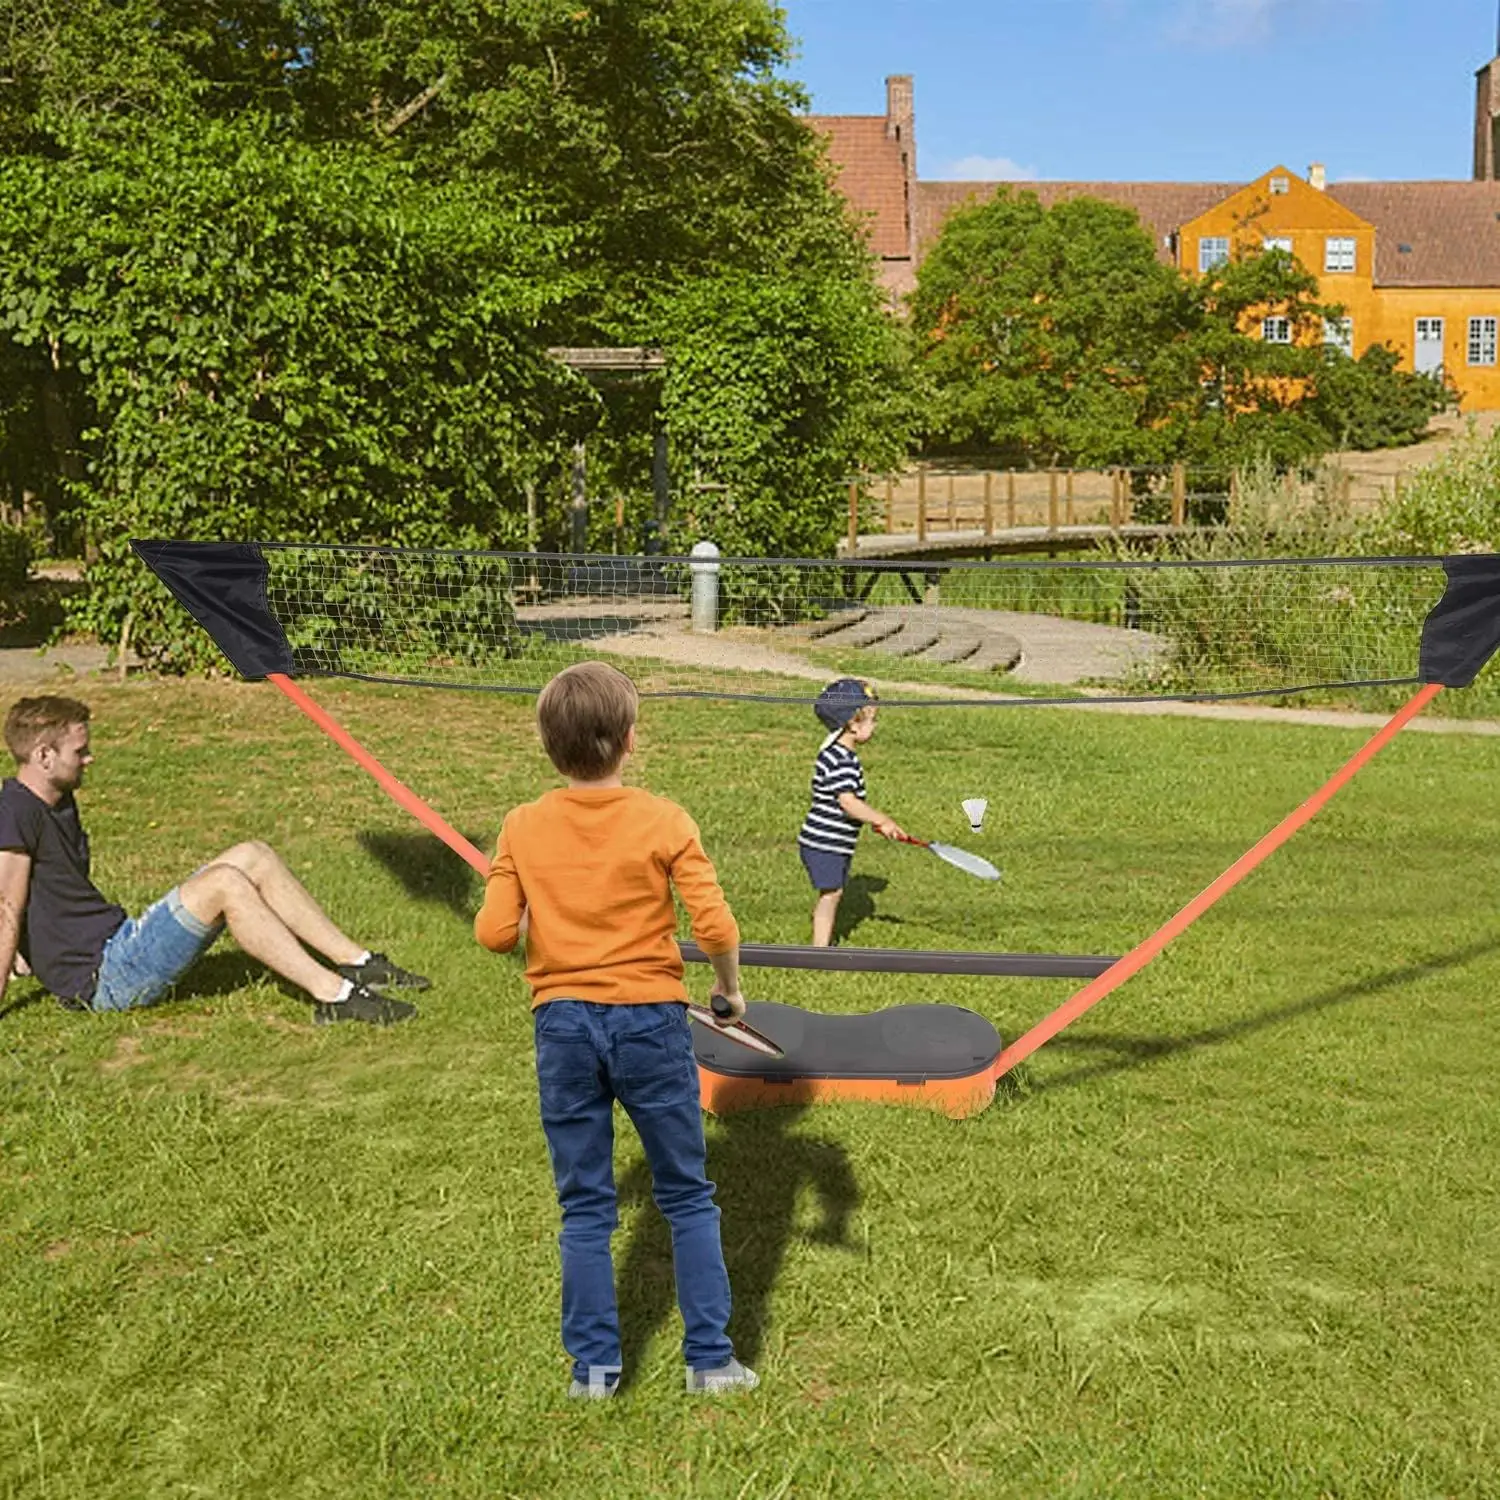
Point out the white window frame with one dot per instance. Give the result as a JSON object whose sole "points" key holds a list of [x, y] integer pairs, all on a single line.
{"points": [[1340, 253], [1483, 333], [1280, 185], [1338, 333], [1278, 242], [1213, 250], [1276, 330]]}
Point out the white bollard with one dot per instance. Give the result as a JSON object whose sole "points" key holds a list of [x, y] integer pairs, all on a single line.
{"points": [[705, 607]]}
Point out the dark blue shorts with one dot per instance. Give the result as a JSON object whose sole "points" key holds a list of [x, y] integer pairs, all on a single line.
{"points": [[828, 872]]}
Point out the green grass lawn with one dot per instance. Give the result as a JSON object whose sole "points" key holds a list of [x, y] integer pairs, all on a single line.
{"points": [[1233, 1234]]}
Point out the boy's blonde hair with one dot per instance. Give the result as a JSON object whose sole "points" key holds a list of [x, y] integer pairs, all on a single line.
{"points": [[585, 715], [41, 721]]}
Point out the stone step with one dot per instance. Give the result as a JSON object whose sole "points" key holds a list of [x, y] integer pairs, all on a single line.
{"points": [[842, 619], [997, 653], [912, 640], [878, 627], [954, 648]]}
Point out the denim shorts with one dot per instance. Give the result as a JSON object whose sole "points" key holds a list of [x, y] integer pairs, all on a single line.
{"points": [[148, 954], [828, 872]]}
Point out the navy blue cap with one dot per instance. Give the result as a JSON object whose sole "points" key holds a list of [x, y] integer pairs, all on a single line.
{"points": [[840, 701]]}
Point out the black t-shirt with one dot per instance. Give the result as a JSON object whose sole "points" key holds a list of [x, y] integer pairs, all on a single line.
{"points": [[67, 922]]}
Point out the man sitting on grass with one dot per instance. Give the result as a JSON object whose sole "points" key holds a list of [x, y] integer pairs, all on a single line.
{"points": [[92, 956]]}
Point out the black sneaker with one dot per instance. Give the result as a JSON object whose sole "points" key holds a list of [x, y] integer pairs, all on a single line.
{"points": [[362, 1005], [377, 972]]}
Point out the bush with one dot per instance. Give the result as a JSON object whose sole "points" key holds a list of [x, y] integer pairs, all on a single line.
{"points": [[1451, 506], [1369, 402], [15, 557]]}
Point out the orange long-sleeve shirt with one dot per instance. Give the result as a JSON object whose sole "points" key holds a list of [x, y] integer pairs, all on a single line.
{"points": [[595, 867]]}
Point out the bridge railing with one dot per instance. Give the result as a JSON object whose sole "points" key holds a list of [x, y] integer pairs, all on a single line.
{"points": [[930, 498]]}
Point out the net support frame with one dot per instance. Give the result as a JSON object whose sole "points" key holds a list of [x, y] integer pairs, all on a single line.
{"points": [[1142, 954], [752, 955]]}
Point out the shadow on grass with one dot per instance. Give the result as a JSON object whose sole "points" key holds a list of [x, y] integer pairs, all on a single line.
{"points": [[427, 868], [21, 993], [858, 905], [222, 974], [760, 1166], [1138, 1051], [215, 974]]}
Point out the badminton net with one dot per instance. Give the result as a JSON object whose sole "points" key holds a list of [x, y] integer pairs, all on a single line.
{"points": [[777, 629]]}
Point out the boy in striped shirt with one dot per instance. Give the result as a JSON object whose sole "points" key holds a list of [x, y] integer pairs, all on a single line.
{"points": [[831, 828]]}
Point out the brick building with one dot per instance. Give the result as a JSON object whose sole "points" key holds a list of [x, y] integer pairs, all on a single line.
{"points": [[1416, 265]]}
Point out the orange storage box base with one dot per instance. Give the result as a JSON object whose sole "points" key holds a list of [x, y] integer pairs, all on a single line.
{"points": [[929, 1056]]}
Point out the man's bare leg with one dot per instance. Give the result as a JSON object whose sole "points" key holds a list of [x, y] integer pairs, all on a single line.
{"points": [[289, 899], [224, 892]]}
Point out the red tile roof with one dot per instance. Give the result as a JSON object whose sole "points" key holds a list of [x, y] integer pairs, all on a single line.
{"points": [[871, 173], [1162, 206], [1452, 229]]}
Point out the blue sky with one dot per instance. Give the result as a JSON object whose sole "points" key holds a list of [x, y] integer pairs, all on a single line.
{"points": [[1171, 90]]}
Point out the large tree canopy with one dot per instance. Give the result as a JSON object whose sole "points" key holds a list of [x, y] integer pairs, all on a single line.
{"points": [[1057, 336], [276, 266]]}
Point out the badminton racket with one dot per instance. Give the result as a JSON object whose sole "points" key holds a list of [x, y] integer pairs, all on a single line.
{"points": [[719, 1018], [961, 859]]}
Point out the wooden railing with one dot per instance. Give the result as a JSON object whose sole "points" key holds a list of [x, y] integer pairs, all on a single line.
{"points": [[929, 498]]}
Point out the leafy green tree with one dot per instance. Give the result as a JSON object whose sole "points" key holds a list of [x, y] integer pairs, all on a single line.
{"points": [[1369, 402], [268, 347], [1057, 336], [1048, 335], [294, 268], [778, 391]]}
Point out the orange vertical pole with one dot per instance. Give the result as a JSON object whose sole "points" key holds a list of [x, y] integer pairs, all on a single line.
{"points": [[394, 789], [1142, 954]]}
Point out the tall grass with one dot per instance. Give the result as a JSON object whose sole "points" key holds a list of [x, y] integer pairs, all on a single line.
{"points": [[1294, 624]]}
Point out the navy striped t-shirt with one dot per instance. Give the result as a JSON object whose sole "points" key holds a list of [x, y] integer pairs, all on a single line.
{"points": [[836, 770]]}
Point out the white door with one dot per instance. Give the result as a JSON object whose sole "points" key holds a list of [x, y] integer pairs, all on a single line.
{"points": [[1429, 346]]}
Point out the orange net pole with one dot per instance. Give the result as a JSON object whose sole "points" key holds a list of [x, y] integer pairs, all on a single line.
{"points": [[396, 790], [1141, 955]]}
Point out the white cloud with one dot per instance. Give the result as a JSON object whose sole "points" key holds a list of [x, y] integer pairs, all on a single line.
{"points": [[987, 169], [1223, 23]]}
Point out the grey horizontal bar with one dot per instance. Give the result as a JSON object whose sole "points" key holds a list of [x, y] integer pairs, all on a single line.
{"points": [[912, 961]]}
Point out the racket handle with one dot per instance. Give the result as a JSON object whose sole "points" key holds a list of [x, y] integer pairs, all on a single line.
{"points": [[721, 1007]]}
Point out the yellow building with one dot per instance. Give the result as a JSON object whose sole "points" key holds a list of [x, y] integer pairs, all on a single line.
{"points": [[1416, 265]]}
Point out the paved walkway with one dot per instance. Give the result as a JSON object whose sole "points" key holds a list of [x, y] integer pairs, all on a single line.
{"points": [[746, 651], [26, 666]]}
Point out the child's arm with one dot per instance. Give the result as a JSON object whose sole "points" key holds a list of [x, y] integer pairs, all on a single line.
{"points": [[500, 922], [714, 928], [861, 811]]}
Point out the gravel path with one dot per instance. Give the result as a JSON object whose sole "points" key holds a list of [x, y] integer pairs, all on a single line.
{"points": [[1046, 644]]}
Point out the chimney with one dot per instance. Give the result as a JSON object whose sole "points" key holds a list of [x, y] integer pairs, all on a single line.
{"points": [[899, 108], [1317, 177]]}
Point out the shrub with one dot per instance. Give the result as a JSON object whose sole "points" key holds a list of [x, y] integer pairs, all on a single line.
{"points": [[15, 557]]}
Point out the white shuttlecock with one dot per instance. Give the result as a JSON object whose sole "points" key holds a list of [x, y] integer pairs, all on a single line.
{"points": [[974, 811]]}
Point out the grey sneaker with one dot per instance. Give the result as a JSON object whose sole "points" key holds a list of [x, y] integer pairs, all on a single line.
{"points": [[731, 1377], [602, 1383], [377, 972], [362, 1005]]}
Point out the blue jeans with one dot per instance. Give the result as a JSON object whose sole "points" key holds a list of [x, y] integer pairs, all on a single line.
{"points": [[148, 954], [588, 1054]]}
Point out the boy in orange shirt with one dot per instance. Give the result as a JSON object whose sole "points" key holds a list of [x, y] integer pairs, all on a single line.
{"points": [[589, 870]]}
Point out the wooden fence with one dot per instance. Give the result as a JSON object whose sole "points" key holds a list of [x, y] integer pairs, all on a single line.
{"points": [[930, 498]]}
